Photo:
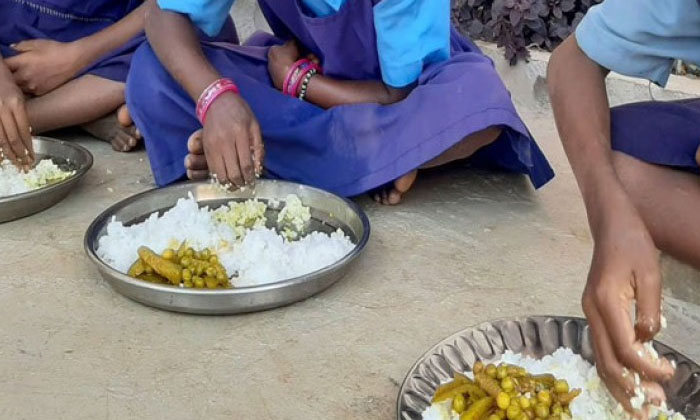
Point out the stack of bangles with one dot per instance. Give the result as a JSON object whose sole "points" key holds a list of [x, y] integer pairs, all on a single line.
{"points": [[210, 94], [296, 83]]}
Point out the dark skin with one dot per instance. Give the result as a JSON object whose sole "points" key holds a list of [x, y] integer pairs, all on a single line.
{"points": [[175, 42], [626, 224], [39, 89]]}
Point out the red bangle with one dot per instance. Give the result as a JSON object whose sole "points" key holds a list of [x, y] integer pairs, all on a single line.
{"points": [[290, 74], [294, 90], [209, 95]]}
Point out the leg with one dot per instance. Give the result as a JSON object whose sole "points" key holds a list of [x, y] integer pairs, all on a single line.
{"points": [[668, 201], [93, 102], [462, 150]]}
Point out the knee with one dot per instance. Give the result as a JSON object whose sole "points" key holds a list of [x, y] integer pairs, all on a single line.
{"points": [[629, 170]]}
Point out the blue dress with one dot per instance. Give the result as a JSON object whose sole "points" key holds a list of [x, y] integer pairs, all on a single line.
{"points": [[348, 149], [70, 20]]}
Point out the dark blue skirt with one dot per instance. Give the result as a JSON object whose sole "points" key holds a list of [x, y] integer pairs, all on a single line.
{"points": [[662, 133]]}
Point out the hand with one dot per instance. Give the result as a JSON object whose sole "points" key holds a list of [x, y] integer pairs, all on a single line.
{"points": [[15, 134], [43, 65], [280, 60], [625, 268], [232, 141]]}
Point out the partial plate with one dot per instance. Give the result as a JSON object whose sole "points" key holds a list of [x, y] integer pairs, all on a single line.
{"points": [[68, 156], [536, 336]]}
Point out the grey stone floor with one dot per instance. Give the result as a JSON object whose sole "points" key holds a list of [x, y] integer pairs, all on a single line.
{"points": [[465, 247]]}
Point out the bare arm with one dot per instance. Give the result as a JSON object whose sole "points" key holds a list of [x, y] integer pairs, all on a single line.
{"points": [[231, 136], [327, 92], [114, 36], [176, 44], [625, 266]]}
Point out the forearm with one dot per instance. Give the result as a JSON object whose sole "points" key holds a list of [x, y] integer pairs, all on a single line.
{"points": [[114, 36], [177, 46], [327, 92], [582, 113]]}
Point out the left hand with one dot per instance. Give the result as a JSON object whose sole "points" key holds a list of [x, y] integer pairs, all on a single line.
{"points": [[42, 65], [280, 60]]}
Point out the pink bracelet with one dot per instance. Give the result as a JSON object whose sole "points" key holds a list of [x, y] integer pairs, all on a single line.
{"points": [[290, 74], [294, 90], [209, 95]]}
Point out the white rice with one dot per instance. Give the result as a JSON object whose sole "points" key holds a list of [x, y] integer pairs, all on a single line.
{"points": [[262, 256], [595, 402], [13, 181]]}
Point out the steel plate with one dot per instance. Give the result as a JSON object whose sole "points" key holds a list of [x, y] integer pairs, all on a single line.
{"points": [[68, 156], [535, 336], [328, 213]]}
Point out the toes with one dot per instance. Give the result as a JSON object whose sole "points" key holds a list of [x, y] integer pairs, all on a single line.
{"points": [[124, 117], [194, 143], [196, 162], [394, 197], [403, 184], [119, 144], [197, 174]]}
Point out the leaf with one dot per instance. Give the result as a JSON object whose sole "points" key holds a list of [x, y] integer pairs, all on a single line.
{"points": [[567, 5], [515, 16], [475, 28], [556, 11]]}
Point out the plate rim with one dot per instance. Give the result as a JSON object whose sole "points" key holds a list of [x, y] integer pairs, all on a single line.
{"points": [[456, 334], [79, 173], [103, 266]]}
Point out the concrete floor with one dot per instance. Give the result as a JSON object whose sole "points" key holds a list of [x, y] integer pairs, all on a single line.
{"points": [[465, 247]]}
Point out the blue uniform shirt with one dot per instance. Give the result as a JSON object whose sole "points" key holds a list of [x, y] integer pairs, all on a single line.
{"points": [[410, 33]]}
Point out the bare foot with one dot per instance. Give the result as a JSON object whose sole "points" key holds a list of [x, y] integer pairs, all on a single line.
{"points": [[116, 128], [392, 196], [195, 161]]}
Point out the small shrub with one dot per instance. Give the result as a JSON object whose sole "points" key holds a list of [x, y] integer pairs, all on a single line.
{"points": [[517, 25]]}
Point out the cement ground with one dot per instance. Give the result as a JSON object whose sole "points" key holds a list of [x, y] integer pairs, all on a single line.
{"points": [[466, 247]]}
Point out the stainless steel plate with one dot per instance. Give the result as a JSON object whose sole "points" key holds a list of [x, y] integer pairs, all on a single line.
{"points": [[535, 336], [68, 156], [328, 213]]}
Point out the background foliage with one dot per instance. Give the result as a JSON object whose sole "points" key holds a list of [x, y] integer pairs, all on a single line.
{"points": [[519, 24]]}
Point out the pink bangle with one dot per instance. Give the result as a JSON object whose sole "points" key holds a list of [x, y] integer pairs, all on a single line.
{"points": [[294, 90], [290, 74], [209, 95]]}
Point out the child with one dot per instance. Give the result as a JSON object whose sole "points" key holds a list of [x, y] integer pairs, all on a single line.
{"points": [[637, 167], [64, 63], [398, 89]]}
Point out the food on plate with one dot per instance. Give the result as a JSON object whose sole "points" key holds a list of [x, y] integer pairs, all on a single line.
{"points": [[243, 247], [15, 181], [559, 386]]}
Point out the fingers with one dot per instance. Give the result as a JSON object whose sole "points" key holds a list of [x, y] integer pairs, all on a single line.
{"points": [[230, 156], [257, 147], [5, 146], [25, 131], [245, 160], [621, 386], [648, 294], [13, 138], [628, 350]]}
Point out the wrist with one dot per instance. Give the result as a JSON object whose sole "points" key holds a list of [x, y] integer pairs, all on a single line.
{"points": [[211, 94], [82, 53]]}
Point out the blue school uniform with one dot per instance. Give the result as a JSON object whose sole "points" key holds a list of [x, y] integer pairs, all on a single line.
{"points": [[348, 149], [643, 39]]}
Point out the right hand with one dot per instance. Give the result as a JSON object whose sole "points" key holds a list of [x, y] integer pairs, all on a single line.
{"points": [[232, 141], [15, 134], [625, 269]]}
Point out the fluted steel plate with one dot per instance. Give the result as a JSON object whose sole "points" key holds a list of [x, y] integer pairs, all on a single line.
{"points": [[68, 156], [328, 213], [536, 336]]}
